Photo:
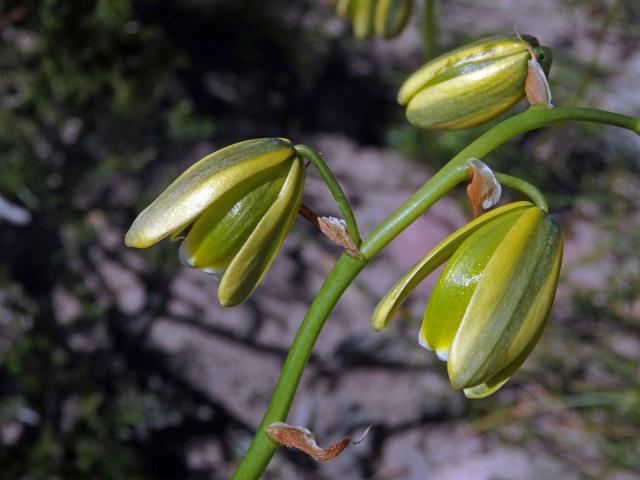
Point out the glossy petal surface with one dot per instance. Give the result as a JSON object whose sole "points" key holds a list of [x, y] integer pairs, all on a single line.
{"points": [[219, 233], [510, 302], [475, 53], [234, 167], [470, 94], [256, 255], [458, 281], [396, 296]]}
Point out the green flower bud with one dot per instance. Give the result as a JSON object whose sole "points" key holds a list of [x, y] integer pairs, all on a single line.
{"points": [[391, 17], [492, 300], [240, 201], [344, 8], [362, 17], [470, 85]]}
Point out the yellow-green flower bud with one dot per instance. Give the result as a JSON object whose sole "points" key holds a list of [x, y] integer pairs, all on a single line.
{"points": [[491, 302], [362, 17], [240, 202], [344, 8], [472, 84], [391, 17]]}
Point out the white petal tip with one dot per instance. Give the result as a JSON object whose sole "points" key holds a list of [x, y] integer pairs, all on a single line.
{"points": [[423, 343], [185, 258], [443, 355]]}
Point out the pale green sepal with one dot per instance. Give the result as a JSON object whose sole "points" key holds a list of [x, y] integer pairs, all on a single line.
{"points": [[193, 191], [503, 376], [255, 257], [502, 303], [399, 292]]}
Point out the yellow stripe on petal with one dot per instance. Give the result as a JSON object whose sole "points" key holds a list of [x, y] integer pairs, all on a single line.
{"points": [[536, 305], [484, 49], [193, 191], [399, 292], [219, 233], [391, 17], [544, 297], [470, 97], [458, 282], [363, 18], [505, 294]]}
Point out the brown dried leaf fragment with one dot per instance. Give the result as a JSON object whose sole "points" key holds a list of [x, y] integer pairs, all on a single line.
{"points": [[483, 190], [302, 439], [334, 229]]}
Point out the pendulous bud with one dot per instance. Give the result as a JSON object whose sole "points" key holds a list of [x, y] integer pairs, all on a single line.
{"points": [[384, 18], [391, 17], [239, 202], [492, 300], [472, 84]]}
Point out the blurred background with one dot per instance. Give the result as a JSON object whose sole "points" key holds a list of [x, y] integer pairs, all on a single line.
{"points": [[117, 363]]}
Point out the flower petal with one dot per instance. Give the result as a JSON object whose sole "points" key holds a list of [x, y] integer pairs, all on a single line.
{"points": [[456, 286], [484, 49], [205, 181], [514, 292], [544, 300], [219, 233], [255, 257], [399, 292], [470, 95]]}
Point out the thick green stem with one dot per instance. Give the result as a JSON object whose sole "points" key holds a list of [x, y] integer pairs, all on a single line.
{"points": [[525, 187], [334, 187], [347, 268]]}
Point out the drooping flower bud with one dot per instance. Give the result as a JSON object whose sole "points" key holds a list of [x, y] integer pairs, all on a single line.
{"points": [[240, 202], [362, 17], [391, 17], [385, 18], [470, 85], [492, 300]]}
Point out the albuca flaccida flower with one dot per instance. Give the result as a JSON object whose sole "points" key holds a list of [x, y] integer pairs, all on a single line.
{"points": [[475, 83], [384, 18], [491, 302], [239, 202]]}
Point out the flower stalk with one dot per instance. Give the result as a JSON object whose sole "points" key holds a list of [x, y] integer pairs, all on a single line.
{"points": [[334, 187], [347, 268], [524, 187]]}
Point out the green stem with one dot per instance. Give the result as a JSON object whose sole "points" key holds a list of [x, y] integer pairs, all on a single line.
{"points": [[523, 186], [334, 187], [429, 30], [429, 52], [347, 268]]}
